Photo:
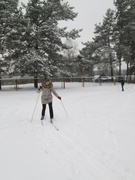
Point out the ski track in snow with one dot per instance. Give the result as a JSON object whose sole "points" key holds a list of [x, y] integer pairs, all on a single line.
{"points": [[91, 140], [68, 154]]}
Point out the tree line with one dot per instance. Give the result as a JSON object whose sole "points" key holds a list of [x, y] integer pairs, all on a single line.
{"points": [[32, 42], [114, 40]]}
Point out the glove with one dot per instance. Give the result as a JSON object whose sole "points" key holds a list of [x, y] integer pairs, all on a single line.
{"points": [[40, 88], [59, 97]]}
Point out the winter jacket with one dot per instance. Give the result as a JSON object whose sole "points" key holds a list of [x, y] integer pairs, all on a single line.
{"points": [[122, 82], [47, 91]]}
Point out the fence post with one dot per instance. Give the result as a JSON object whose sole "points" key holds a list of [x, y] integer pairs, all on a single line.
{"points": [[63, 84], [114, 80], [16, 85], [100, 81], [82, 82]]}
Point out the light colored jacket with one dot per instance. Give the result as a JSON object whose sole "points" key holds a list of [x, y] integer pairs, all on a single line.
{"points": [[47, 91]]}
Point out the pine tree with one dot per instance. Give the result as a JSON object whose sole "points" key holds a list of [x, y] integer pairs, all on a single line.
{"points": [[88, 58], [104, 40], [125, 34], [44, 37], [7, 10], [130, 32]]}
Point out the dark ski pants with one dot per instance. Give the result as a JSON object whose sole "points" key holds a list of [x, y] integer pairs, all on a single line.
{"points": [[122, 85], [50, 109]]}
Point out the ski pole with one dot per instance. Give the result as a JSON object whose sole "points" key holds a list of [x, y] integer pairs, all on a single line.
{"points": [[35, 107], [64, 108]]}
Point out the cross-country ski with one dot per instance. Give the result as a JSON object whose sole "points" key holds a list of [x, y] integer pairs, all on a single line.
{"points": [[54, 125], [42, 122]]}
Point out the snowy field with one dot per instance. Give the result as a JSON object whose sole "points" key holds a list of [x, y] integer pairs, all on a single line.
{"points": [[95, 142]]}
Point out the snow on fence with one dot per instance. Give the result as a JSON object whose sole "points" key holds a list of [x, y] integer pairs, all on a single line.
{"points": [[82, 81]]}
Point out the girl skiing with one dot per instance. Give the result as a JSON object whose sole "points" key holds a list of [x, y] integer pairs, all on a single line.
{"points": [[46, 97]]}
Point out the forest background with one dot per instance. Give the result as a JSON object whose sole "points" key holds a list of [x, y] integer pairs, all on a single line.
{"points": [[33, 43]]}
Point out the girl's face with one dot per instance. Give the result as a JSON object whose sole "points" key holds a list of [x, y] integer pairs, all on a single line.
{"points": [[47, 83]]}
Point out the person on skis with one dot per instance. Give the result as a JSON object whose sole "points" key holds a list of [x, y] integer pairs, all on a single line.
{"points": [[46, 97], [122, 83]]}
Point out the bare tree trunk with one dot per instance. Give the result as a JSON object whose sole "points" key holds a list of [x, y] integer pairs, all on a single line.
{"points": [[0, 84], [111, 65], [119, 61], [0, 79], [127, 69], [0, 76], [35, 82]]}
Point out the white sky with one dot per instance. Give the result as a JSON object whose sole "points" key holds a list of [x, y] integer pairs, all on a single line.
{"points": [[90, 12]]}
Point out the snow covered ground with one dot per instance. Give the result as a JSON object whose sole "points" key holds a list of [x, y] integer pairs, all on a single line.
{"points": [[95, 142]]}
